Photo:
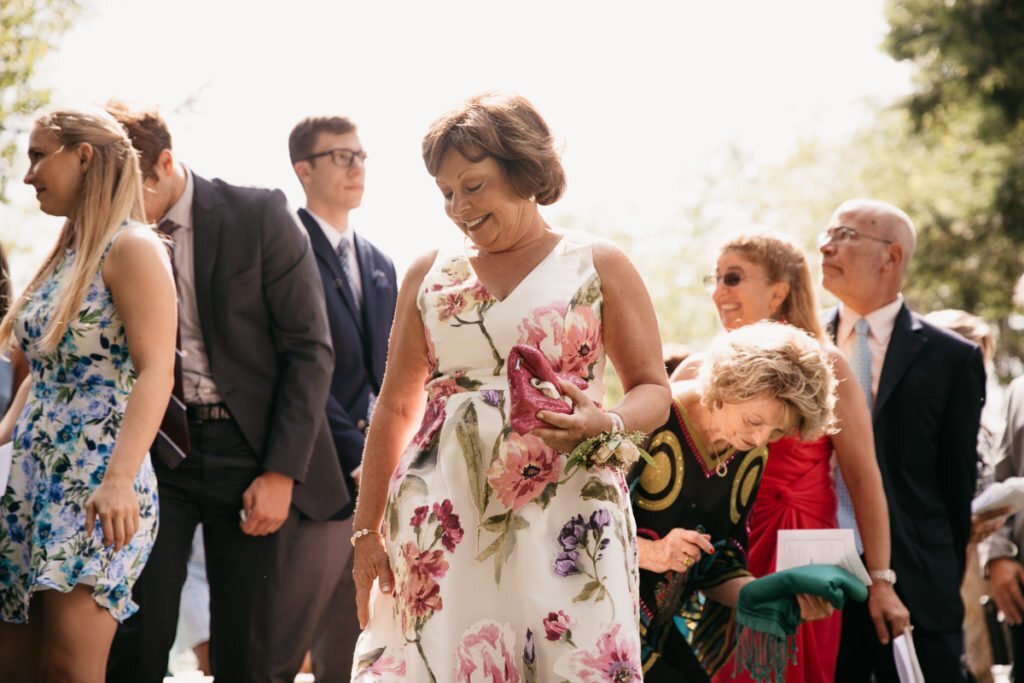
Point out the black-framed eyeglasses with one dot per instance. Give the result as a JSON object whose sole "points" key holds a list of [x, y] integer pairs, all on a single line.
{"points": [[731, 278], [340, 156], [844, 235]]}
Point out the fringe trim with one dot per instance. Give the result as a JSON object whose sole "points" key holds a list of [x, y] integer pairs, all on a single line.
{"points": [[764, 655]]}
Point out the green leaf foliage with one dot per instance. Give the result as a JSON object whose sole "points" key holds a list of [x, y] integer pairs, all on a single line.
{"points": [[29, 30]]}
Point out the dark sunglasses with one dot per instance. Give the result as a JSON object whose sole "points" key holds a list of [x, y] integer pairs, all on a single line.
{"points": [[731, 278]]}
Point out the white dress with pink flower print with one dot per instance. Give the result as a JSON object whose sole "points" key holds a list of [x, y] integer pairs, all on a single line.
{"points": [[507, 567]]}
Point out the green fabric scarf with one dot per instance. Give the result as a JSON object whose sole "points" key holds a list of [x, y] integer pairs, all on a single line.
{"points": [[767, 614]]}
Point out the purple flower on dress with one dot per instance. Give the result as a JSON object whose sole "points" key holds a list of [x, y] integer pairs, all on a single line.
{"points": [[573, 534], [491, 397], [565, 563], [599, 519], [529, 654]]}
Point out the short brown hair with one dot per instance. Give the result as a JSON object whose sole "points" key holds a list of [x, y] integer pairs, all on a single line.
{"points": [[146, 129], [304, 134], [508, 129]]}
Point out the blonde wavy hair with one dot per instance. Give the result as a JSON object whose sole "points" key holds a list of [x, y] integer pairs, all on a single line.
{"points": [[785, 363], [111, 193], [783, 261]]}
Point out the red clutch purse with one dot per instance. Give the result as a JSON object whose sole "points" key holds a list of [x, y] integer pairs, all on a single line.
{"points": [[533, 386]]}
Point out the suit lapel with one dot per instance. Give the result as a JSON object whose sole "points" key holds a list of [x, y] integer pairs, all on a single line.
{"points": [[325, 254], [366, 276], [904, 345], [207, 217]]}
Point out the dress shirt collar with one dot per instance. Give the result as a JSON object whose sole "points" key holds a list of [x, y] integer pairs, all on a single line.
{"points": [[333, 235], [181, 211], [881, 321]]}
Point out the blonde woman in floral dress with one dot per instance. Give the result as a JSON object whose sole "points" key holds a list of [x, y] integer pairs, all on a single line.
{"points": [[479, 556], [97, 324]]}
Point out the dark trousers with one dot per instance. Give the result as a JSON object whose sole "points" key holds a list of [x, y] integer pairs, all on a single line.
{"points": [[311, 603], [207, 487], [861, 655], [1017, 643]]}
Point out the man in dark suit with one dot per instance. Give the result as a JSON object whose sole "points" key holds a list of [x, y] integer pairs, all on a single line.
{"points": [[926, 387], [360, 289], [256, 361]]}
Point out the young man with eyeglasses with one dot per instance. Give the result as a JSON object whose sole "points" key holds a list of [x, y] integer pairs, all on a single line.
{"points": [[314, 596], [256, 360], [926, 388]]}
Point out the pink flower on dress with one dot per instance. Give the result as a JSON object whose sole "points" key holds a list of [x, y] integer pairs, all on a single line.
{"points": [[422, 596], [581, 345], [556, 625], [429, 563], [388, 668], [449, 305], [485, 654], [433, 420], [542, 329], [451, 530], [419, 515], [478, 293], [522, 471], [417, 593], [614, 659], [431, 353]]}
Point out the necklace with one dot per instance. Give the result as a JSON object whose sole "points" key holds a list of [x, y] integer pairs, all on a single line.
{"points": [[715, 462]]}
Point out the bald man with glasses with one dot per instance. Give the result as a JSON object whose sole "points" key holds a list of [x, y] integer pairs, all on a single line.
{"points": [[926, 388]]}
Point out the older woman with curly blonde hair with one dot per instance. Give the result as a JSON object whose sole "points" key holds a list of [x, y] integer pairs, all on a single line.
{"points": [[752, 387]]}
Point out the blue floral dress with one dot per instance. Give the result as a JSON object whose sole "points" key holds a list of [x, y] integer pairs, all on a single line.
{"points": [[62, 444], [508, 567]]}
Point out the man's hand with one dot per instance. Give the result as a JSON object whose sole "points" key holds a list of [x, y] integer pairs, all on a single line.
{"points": [[1005, 575], [888, 613], [266, 503], [984, 524]]}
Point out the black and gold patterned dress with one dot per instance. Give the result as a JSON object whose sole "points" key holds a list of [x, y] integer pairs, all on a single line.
{"points": [[685, 636]]}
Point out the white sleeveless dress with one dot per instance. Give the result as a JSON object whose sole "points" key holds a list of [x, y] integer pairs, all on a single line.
{"points": [[507, 568]]}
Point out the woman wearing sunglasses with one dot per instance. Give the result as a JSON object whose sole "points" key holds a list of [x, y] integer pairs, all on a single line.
{"points": [[766, 277]]}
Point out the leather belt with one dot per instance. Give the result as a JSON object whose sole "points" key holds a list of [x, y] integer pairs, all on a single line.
{"points": [[207, 412]]}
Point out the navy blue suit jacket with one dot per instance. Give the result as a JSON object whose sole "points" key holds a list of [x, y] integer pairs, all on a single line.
{"points": [[360, 340], [926, 418]]}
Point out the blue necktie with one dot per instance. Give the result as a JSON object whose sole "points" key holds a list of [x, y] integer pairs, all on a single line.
{"points": [[343, 247], [860, 363]]}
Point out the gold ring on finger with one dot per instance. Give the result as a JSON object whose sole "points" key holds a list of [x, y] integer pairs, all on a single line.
{"points": [[688, 561]]}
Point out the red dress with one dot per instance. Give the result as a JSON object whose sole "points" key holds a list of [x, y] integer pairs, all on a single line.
{"points": [[796, 493]]}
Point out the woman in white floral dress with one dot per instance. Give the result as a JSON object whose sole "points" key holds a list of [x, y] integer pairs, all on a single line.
{"points": [[496, 561], [97, 325]]}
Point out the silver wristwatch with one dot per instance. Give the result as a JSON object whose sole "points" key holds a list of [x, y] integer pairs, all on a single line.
{"points": [[887, 575]]}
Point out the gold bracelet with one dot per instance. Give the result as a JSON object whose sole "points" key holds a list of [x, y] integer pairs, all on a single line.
{"points": [[364, 532]]}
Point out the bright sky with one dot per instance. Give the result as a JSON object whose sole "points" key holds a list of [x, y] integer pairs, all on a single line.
{"points": [[643, 95]]}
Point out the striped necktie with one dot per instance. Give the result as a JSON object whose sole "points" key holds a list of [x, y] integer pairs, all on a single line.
{"points": [[860, 363], [172, 440], [346, 268]]}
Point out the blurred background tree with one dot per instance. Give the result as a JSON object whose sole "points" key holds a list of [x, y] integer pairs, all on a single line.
{"points": [[28, 30], [951, 154], [962, 156]]}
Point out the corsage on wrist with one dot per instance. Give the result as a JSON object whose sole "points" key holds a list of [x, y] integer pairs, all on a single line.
{"points": [[616, 448]]}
